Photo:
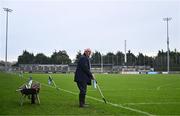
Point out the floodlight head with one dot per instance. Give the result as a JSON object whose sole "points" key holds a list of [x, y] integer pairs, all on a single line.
{"points": [[167, 19], [7, 9]]}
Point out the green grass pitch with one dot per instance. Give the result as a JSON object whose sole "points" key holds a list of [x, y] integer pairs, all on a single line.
{"points": [[125, 95]]}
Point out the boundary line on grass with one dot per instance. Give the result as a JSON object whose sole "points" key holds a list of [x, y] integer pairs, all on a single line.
{"points": [[93, 98], [146, 103], [164, 85]]}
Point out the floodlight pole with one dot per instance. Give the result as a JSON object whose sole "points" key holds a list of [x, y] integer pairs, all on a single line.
{"points": [[125, 58], [167, 19], [7, 10]]}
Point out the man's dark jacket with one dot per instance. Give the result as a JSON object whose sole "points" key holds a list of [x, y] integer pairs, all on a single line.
{"points": [[83, 73]]}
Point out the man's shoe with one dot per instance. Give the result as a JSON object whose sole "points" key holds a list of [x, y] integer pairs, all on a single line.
{"points": [[84, 106], [81, 106]]}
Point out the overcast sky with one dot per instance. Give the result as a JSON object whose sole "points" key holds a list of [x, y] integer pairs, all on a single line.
{"points": [[43, 26]]}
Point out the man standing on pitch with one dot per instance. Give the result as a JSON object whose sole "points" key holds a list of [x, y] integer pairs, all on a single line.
{"points": [[83, 75]]}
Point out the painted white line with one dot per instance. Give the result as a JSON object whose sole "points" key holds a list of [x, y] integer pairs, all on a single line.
{"points": [[115, 105], [131, 109], [138, 89], [158, 88], [60, 89], [163, 103]]}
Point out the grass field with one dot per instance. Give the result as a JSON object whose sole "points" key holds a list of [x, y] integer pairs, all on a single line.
{"points": [[126, 95]]}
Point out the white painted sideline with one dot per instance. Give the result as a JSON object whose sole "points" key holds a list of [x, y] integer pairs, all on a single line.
{"points": [[160, 103], [164, 85], [115, 105]]}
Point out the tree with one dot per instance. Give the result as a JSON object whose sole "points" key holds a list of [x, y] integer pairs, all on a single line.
{"points": [[40, 58], [26, 58], [140, 59], [131, 59], [159, 62], [60, 57], [109, 58], [78, 56], [96, 58], [119, 58]]}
